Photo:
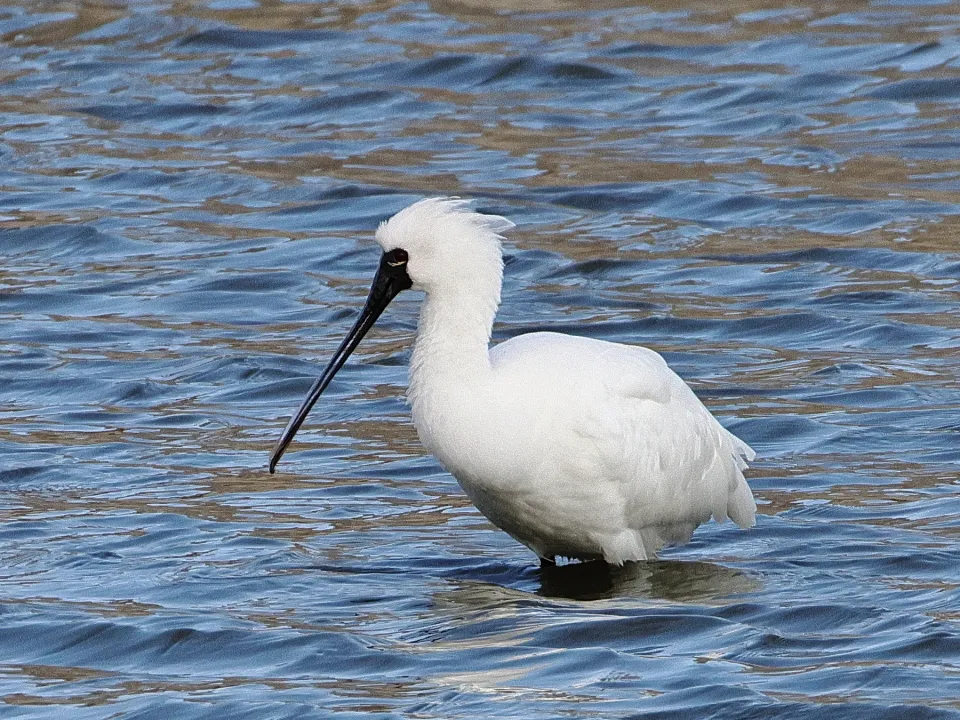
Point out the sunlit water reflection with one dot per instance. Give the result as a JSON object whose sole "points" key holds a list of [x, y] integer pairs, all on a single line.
{"points": [[767, 195]]}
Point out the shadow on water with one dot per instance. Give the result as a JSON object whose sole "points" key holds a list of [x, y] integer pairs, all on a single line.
{"points": [[660, 579]]}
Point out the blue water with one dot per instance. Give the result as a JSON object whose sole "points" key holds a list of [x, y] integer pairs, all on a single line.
{"points": [[769, 196]]}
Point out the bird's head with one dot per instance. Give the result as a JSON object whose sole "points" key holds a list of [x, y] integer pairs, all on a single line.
{"points": [[444, 243], [438, 245]]}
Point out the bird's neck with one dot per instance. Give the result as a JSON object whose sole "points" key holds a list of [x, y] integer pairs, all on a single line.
{"points": [[451, 352]]}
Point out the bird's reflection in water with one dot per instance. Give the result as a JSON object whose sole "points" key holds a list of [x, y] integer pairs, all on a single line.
{"points": [[671, 580], [500, 586]]}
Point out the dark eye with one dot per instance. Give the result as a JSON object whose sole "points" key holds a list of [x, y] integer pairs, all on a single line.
{"points": [[397, 257]]}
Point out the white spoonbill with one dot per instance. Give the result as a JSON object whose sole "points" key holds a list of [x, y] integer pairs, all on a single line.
{"points": [[578, 448]]}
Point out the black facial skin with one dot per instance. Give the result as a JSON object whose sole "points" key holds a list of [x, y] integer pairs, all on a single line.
{"points": [[390, 280]]}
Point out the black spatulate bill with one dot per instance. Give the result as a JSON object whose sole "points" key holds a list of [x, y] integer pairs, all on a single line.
{"points": [[390, 280]]}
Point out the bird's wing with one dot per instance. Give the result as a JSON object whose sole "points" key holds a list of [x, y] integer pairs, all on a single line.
{"points": [[640, 428], [677, 462]]}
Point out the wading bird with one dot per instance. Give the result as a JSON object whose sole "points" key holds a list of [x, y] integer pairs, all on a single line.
{"points": [[576, 447]]}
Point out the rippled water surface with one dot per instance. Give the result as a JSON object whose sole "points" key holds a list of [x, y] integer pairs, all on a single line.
{"points": [[768, 194]]}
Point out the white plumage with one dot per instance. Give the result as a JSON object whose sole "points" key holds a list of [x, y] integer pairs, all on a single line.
{"points": [[576, 447]]}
